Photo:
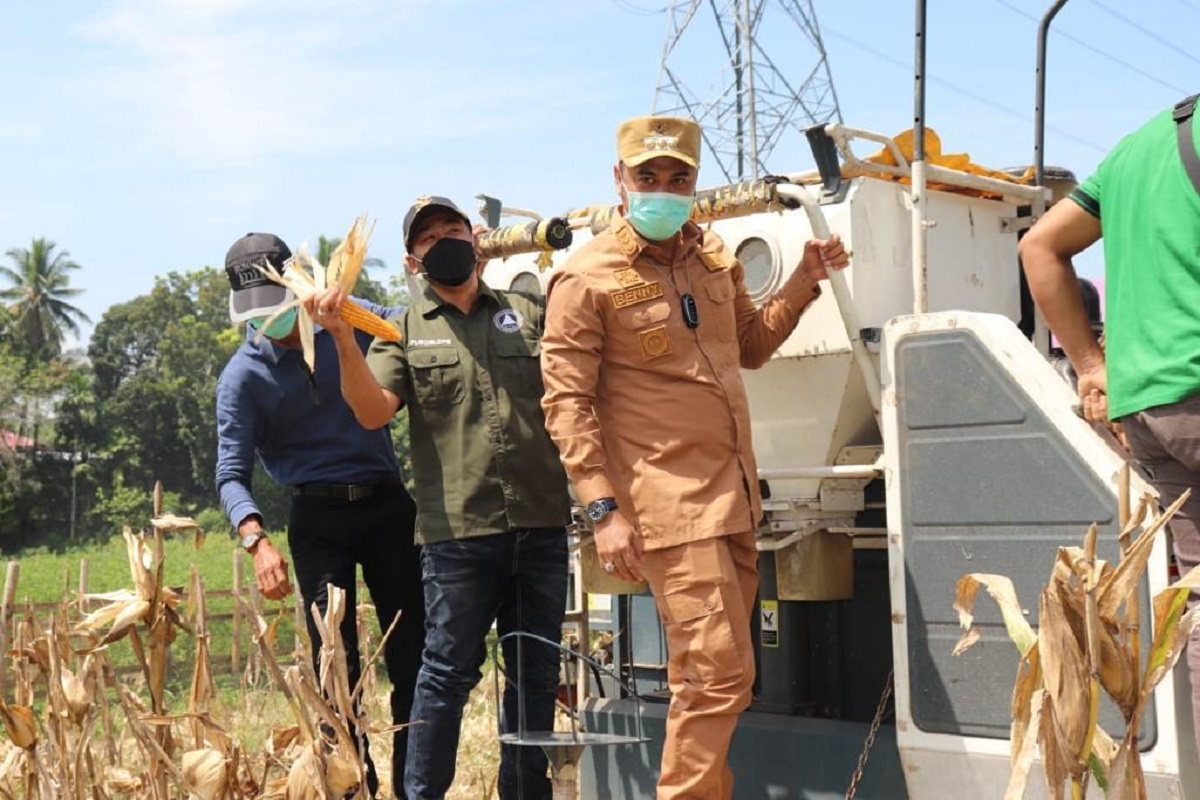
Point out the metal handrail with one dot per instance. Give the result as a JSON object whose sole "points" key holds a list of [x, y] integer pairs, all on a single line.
{"points": [[841, 294], [843, 135]]}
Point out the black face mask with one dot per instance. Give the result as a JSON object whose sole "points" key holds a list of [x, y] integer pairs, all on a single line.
{"points": [[450, 261]]}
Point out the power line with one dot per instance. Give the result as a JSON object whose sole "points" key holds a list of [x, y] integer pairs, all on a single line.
{"points": [[1093, 49], [961, 90], [632, 8], [1139, 27], [1189, 5]]}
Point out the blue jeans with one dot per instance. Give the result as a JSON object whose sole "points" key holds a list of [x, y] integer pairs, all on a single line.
{"points": [[519, 580]]}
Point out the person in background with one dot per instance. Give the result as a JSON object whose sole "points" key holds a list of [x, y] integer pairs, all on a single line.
{"points": [[349, 504], [491, 494], [1144, 201]]}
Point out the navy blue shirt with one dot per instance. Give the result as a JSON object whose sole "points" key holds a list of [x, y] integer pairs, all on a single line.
{"points": [[295, 420]]}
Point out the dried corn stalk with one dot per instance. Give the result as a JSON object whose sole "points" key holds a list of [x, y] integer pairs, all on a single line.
{"points": [[1086, 642]]}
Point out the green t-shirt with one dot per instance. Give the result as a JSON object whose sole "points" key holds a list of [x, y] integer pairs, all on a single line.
{"points": [[1150, 220], [482, 460]]}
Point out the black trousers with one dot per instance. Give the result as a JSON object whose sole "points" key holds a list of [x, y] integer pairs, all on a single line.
{"points": [[328, 538]]}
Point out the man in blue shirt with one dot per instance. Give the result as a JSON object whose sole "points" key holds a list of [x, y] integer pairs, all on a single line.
{"points": [[349, 505]]}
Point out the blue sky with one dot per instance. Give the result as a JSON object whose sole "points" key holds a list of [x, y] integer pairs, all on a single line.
{"points": [[143, 136]]}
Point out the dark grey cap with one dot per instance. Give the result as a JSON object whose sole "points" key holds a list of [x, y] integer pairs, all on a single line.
{"points": [[422, 208], [252, 293]]}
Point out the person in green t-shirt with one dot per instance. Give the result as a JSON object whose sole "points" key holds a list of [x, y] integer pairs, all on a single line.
{"points": [[491, 492], [1145, 205]]}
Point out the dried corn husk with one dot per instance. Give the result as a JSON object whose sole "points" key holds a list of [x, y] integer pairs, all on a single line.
{"points": [[305, 781], [346, 262], [343, 270], [127, 607], [342, 775], [206, 773], [77, 695], [318, 774], [20, 724], [171, 522], [282, 738], [119, 780]]}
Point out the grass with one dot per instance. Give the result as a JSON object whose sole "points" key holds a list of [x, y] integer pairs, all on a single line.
{"points": [[48, 577], [45, 575]]}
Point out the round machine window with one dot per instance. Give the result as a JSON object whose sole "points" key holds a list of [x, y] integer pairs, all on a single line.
{"points": [[761, 264], [527, 283]]}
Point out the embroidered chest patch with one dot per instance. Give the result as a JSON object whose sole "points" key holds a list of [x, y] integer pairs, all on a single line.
{"points": [[655, 342], [623, 298], [508, 320], [629, 277]]}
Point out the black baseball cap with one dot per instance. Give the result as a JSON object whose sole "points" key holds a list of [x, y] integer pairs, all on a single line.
{"points": [[253, 293], [421, 208]]}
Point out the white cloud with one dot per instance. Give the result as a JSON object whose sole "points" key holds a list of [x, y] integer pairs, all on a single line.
{"points": [[225, 82]]}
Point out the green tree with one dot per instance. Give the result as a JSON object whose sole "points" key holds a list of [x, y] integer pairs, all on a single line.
{"points": [[35, 475], [38, 292], [156, 361]]}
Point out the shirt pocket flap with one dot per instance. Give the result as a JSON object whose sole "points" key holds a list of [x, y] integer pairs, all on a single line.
{"points": [[428, 357], [719, 291], [643, 314], [692, 602], [512, 346]]}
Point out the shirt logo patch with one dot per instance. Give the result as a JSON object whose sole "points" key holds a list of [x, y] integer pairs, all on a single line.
{"points": [[429, 342], [627, 240], [655, 342], [623, 298], [508, 320], [629, 277]]}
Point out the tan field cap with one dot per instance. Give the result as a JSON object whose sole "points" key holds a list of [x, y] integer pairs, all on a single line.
{"points": [[643, 138]]}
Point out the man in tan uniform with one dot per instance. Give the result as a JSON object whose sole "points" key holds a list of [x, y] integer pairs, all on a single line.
{"points": [[646, 329]]}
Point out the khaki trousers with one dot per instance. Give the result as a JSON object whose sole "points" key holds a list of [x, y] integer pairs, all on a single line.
{"points": [[705, 595], [1166, 442]]}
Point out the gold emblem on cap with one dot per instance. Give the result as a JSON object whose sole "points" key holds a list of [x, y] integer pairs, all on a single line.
{"points": [[422, 201], [661, 141], [655, 342]]}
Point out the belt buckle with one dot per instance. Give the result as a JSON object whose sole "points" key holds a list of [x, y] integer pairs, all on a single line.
{"points": [[358, 491]]}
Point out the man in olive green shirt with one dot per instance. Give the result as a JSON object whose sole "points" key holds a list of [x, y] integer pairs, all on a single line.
{"points": [[491, 493]]}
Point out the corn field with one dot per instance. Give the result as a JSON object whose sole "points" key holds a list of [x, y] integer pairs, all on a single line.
{"points": [[77, 727]]}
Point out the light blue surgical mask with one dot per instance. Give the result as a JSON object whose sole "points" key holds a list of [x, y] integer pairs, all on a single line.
{"points": [[658, 215], [279, 328]]}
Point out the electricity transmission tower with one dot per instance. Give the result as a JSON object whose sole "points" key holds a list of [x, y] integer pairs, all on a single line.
{"points": [[758, 95]]}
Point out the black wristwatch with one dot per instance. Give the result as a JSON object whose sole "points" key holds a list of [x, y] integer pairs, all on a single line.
{"points": [[599, 509]]}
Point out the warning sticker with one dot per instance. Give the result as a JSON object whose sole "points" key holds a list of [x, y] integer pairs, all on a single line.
{"points": [[768, 614]]}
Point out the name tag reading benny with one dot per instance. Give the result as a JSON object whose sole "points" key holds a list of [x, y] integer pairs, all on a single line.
{"points": [[623, 298]]}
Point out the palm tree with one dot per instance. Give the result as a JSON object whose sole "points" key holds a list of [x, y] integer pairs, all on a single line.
{"points": [[37, 296]]}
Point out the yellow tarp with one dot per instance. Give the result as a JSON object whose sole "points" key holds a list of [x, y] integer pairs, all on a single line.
{"points": [[934, 155]]}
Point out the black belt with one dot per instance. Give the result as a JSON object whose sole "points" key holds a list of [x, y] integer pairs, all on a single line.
{"points": [[347, 492]]}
